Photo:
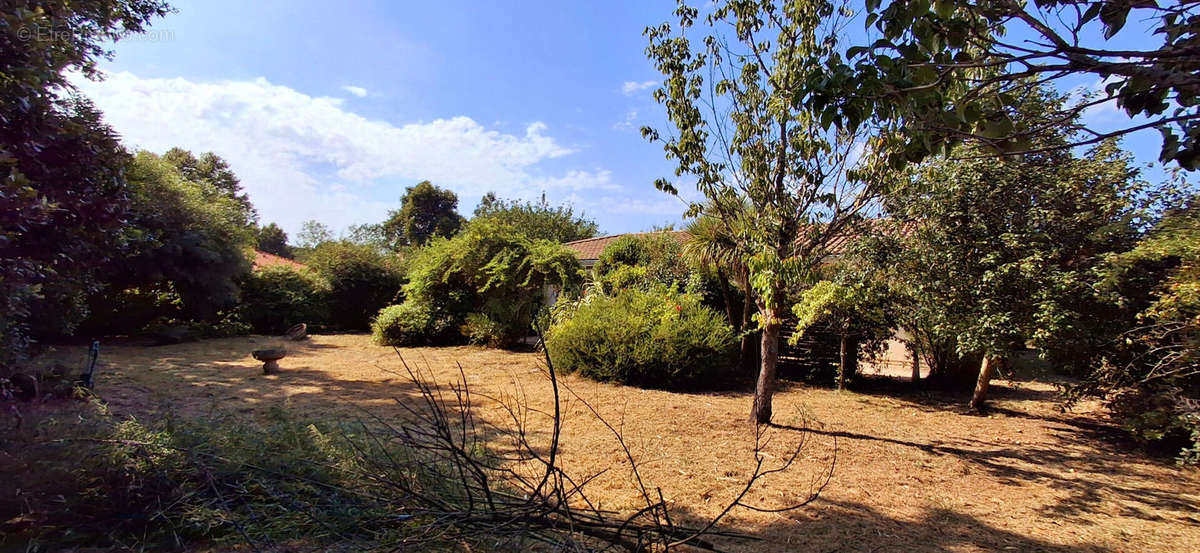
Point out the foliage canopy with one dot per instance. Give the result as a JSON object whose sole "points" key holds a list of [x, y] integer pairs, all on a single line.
{"points": [[493, 269], [934, 73], [426, 212], [539, 221]]}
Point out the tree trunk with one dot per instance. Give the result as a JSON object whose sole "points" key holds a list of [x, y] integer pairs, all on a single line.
{"points": [[766, 375], [843, 362], [748, 357], [749, 353], [727, 295], [986, 370], [915, 350]]}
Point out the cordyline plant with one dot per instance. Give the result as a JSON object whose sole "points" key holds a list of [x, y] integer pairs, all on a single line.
{"points": [[730, 78]]}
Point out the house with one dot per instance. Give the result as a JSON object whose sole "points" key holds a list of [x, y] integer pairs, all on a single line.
{"points": [[894, 361], [588, 250], [263, 260]]}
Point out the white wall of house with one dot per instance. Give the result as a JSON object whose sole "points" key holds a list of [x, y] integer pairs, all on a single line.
{"points": [[895, 361]]}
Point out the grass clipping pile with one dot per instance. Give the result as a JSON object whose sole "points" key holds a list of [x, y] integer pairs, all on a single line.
{"points": [[435, 478]]}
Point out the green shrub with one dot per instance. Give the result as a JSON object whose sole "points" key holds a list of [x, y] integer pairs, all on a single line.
{"points": [[1161, 418], [650, 260], [492, 265], [630, 250], [361, 279], [503, 322], [275, 298], [656, 338], [621, 277], [483, 330], [412, 323], [125, 485]]}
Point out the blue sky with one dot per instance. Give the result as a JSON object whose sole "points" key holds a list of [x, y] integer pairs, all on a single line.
{"points": [[328, 110], [526, 81]]}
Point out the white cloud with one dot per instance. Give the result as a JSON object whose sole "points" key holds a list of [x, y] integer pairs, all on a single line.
{"points": [[1103, 113], [627, 123], [663, 205], [633, 87], [356, 90], [303, 157], [651, 202]]}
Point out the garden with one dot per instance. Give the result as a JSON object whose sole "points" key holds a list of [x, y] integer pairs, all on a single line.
{"points": [[912, 472], [881, 323]]}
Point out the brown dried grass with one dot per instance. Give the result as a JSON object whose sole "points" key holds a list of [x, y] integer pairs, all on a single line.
{"points": [[914, 472]]}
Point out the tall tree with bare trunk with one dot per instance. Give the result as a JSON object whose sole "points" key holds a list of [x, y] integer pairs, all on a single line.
{"points": [[730, 79]]}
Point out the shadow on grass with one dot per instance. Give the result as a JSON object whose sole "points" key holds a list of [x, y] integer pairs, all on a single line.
{"points": [[850, 527], [1090, 475], [1090, 482]]}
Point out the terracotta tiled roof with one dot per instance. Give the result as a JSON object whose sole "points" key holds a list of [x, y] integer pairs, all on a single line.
{"points": [[875, 226], [263, 259], [589, 249]]}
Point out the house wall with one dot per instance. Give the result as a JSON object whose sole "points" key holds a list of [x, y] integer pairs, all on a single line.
{"points": [[895, 361]]}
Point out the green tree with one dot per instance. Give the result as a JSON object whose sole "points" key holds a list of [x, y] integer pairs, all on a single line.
{"points": [[362, 280], [426, 211], [313, 233], [737, 132], [369, 234], [1015, 240], [215, 176], [856, 309], [937, 72], [272, 239], [180, 245], [538, 220], [62, 193]]}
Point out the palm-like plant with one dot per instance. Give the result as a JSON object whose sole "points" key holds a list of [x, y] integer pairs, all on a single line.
{"points": [[713, 246]]}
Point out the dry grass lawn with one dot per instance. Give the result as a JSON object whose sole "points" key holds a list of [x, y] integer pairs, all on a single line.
{"points": [[913, 472]]}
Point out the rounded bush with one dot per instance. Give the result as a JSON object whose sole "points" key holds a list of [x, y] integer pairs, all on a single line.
{"points": [[627, 250], [362, 281], [405, 324], [658, 338], [275, 298], [483, 330], [411, 324]]}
